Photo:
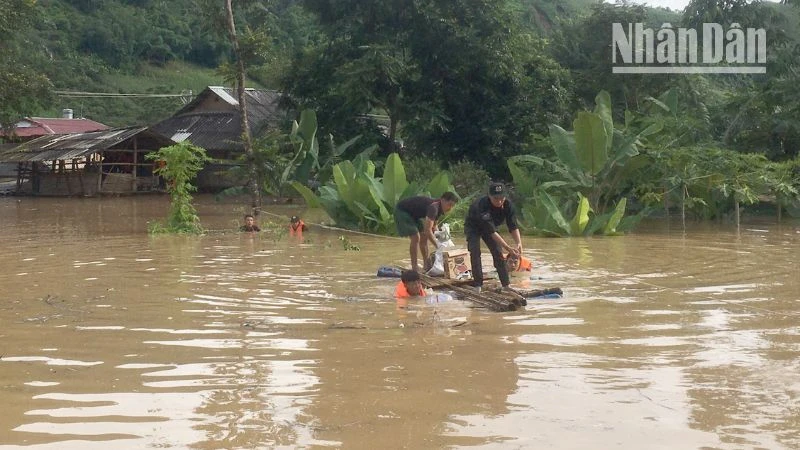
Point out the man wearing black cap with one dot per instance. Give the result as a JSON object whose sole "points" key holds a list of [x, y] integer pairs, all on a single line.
{"points": [[484, 216]]}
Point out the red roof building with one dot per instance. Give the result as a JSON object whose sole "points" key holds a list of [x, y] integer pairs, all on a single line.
{"points": [[33, 127]]}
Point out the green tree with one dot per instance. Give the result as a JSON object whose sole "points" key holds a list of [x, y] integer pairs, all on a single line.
{"points": [[181, 163], [584, 46], [698, 12], [459, 78], [759, 113], [22, 88]]}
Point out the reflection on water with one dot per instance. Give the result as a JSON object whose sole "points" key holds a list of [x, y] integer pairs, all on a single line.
{"points": [[115, 339]]}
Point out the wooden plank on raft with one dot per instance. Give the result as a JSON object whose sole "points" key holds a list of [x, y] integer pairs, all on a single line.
{"points": [[495, 301]]}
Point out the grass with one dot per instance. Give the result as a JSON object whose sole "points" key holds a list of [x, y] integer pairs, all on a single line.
{"points": [[173, 78]]}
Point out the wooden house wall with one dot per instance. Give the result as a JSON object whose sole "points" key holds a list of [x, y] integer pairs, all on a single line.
{"points": [[61, 184]]}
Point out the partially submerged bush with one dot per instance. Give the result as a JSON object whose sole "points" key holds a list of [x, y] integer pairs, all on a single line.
{"points": [[178, 164]]}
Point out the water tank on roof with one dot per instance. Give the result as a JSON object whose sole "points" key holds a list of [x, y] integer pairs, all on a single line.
{"points": [[66, 113]]}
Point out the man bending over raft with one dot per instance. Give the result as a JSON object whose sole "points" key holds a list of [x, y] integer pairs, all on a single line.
{"points": [[408, 216]]}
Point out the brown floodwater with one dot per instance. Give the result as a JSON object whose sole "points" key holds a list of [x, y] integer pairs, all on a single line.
{"points": [[112, 338]]}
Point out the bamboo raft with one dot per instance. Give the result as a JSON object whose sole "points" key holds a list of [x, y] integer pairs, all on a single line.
{"points": [[493, 299]]}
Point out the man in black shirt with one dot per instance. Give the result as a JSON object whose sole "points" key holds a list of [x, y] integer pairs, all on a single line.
{"points": [[484, 216], [408, 215]]}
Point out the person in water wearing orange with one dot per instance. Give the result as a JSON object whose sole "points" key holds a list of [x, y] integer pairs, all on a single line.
{"points": [[410, 285], [297, 226], [518, 263], [249, 224]]}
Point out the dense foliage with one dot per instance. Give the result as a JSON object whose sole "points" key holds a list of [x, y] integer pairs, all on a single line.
{"points": [[22, 88], [445, 81], [357, 198]]}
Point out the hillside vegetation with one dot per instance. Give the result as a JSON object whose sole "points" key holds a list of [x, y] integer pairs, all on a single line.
{"points": [[444, 81], [172, 47]]}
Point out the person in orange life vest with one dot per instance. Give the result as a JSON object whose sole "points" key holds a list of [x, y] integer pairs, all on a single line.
{"points": [[409, 285], [518, 263], [296, 227], [249, 224]]}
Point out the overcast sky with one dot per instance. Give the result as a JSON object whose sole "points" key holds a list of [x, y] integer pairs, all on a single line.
{"points": [[673, 4]]}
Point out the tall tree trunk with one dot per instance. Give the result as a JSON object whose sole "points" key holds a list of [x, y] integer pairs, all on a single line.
{"points": [[729, 131], [392, 133], [738, 214], [683, 207], [247, 142]]}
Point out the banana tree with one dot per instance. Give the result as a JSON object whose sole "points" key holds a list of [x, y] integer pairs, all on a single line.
{"points": [[306, 157], [355, 198], [591, 161], [544, 216]]}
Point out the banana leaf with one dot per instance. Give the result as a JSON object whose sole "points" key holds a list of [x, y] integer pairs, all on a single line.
{"points": [[394, 180], [311, 199], [581, 219], [363, 193], [347, 169], [342, 182], [619, 211], [439, 185], [338, 150], [572, 174], [596, 223], [563, 142], [590, 142], [306, 158], [525, 184], [411, 190], [382, 221], [602, 109], [553, 213], [554, 184]]}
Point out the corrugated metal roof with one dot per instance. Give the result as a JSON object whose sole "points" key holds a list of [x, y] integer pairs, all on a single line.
{"points": [[77, 145], [262, 104], [42, 126], [211, 131], [224, 94], [221, 130]]}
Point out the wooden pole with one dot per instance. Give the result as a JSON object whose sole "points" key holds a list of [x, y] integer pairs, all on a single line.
{"points": [[135, 161], [100, 174]]}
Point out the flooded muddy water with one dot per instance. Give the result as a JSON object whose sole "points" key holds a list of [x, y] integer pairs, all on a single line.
{"points": [[112, 338]]}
